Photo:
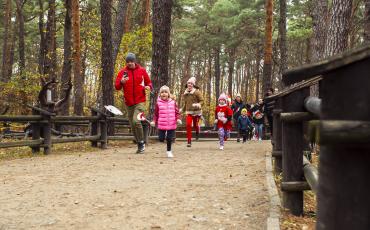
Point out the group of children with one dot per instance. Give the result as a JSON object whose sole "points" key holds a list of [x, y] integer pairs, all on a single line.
{"points": [[167, 116]]}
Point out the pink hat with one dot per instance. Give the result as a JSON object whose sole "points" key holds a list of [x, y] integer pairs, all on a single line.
{"points": [[222, 97], [191, 80]]}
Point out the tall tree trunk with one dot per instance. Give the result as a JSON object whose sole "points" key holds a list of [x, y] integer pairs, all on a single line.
{"points": [[119, 27], [145, 13], [6, 41], [319, 27], [50, 39], [282, 43], [22, 59], [127, 21], [267, 61], [367, 21], [78, 80], [107, 62], [217, 72], [42, 51], [257, 74], [67, 62], [231, 71], [337, 42], [162, 10]]}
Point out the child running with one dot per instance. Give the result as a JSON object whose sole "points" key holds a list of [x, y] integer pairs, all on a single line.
{"points": [[166, 117], [244, 124], [223, 116]]}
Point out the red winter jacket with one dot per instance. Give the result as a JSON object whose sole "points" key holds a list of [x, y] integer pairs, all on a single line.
{"points": [[134, 87], [224, 112]]}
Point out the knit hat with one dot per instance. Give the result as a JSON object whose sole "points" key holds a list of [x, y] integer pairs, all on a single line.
{"points": [[222, 97], [191, 80], [238, 95], [244, 110], [164, 88], [130, 57]]}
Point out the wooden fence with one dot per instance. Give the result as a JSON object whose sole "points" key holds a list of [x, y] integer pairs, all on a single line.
{"points": [[339, 121], [42, 123]]}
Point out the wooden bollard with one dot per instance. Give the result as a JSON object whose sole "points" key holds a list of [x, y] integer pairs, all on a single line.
{"points": [[343, 193], [46, 134], [292, 147], [103, 133]]}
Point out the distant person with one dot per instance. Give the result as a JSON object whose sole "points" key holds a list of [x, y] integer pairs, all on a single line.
{"points": [[258, 118], [166, 117], [237, 107], [267, 110], [134, 80], [223, 117], [244, 124], [193, 100]]}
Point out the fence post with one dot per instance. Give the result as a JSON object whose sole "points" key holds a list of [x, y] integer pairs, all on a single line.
{"points": [[103, 132], [343, 193], [277, 137], [293, 146], [46, 132], [35, 126], [94, 128]]}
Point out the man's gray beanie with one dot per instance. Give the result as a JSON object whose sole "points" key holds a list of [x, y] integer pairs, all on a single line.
{"points": [[130, 57]]}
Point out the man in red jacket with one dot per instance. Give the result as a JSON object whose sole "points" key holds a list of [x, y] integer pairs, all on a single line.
{"points": [[134, 80]]}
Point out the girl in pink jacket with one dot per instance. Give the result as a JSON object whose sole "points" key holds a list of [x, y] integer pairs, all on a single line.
{"points": [[166, 117]]}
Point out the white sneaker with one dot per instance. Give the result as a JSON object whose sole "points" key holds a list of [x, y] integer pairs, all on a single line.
{"points": [[169, 154], [221, 147], [260, 139]]}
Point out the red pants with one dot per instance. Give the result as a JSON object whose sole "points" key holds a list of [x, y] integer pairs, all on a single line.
{"points": [[191, 120]]}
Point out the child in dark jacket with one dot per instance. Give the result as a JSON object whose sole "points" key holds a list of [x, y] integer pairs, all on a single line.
{"points": [[244, 124]]}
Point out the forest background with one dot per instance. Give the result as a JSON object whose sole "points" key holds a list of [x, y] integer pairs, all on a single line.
{"points": [[232, 46]]}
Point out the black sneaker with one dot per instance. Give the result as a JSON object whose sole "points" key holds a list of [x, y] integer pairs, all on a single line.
{"points": [[189, 144], [140, 147], [197, 136], [238, 140]]}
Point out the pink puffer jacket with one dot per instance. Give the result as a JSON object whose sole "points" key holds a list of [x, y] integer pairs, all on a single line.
{"points": [[166, 114]]}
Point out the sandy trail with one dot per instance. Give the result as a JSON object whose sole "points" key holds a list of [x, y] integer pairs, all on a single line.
{"points": [[201, 188]]}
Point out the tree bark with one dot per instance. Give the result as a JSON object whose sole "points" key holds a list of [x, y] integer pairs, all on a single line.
{"points": [[22, 59], [49, 68], [217, 72], [6, 41], [119, 26], [107, 61], [282, 43], [231, 64], [319, 27], [267, 61], [145, 13], [78, 80], [42, 51], [162, 10], [337, 42], [367, 22], [67, 62], [127, 21], [257, 74]]}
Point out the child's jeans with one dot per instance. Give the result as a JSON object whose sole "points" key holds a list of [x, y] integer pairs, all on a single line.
{"points": [[169, 137], [259, 129], [223, 134]]}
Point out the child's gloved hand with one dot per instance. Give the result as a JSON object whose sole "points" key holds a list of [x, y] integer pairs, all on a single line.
{"points": [[152, 123], [180, 110], [215, 122], [179, 122], [224, 120]]}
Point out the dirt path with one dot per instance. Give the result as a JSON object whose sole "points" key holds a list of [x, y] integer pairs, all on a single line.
{"points": [[201, 188]]}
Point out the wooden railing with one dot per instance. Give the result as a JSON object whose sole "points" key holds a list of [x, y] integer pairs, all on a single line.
{"points": [[42, 123], [339, 121]]}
